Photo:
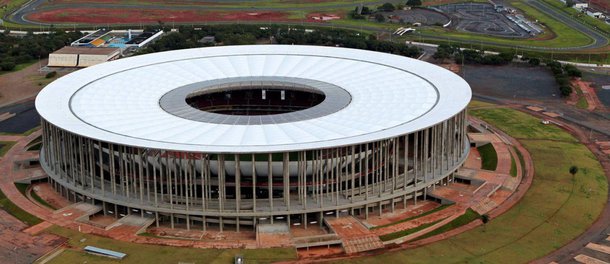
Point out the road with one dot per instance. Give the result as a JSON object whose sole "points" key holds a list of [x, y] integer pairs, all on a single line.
{"points": [[598, 39]]}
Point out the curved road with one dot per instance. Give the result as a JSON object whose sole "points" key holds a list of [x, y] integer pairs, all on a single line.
{"points": [[599, 39]]}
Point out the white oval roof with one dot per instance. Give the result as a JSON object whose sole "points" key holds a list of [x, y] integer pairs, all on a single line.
{"points": [[118, 101]]}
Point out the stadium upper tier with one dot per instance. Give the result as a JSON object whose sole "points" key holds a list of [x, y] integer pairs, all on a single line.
{"points": [[366, 96]]}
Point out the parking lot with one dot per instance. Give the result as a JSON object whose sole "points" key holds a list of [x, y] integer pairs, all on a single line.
{"points": [[483, 19], [426, 17]]}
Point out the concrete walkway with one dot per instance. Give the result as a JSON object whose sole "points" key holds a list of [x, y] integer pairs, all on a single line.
{"points": [[67, 216], [18, 243]]}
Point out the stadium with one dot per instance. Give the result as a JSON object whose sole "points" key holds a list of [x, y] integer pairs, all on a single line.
{"points": [[231, 137]]}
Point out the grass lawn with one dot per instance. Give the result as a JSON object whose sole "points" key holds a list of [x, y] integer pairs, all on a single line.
{"points": [[140, 253], [520, 156], [564, 32], [22, 187], [11, 5], [42, 201], [582, 102], [5, 146], [469, 216], [556, 208], [402, 233], [489, 157], [8, 206], [521, 125], [557, 34], [513, 166], [478, 104], [592, 22]]}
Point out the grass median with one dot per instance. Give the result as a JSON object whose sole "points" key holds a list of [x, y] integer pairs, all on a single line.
{"points": [[141, 253], [5, 146], [14, 210], [556, 209], [489, 157]]}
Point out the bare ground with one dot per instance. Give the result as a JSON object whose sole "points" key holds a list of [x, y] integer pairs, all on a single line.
{"points": [[21, 85]]}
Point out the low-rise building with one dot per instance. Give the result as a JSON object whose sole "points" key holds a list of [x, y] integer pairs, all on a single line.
{"points": [[82, 56]]}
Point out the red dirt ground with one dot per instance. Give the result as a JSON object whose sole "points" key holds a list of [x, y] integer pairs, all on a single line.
{"points": [[602, 4], [178, 2], [439, 2], [162, 2], [111, 16], [589, 94]]}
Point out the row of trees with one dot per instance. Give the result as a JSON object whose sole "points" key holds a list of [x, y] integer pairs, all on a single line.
{"points": [[469, 56], [16, 50], [364, 11], [562, 74], [187, 37]]}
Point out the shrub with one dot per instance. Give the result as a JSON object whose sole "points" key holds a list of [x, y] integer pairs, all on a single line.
{"points": [[7, 65], [51, 75], [355, 15], [379, 18], [572, 71], [507, 56], [534, 61], [366, 10], [565, 90], [387, 7], [414, 3]]}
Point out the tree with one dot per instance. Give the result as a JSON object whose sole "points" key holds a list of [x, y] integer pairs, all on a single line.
{"points": [[365, 10], [354, 14], [414, 3], [573, 170], [572, 71], [507, 56], [386, 7], [565, 90], [441, 54], [444, 51], [570, 3], [485, 220], [379, 17], [534, 61], [7, 65]]}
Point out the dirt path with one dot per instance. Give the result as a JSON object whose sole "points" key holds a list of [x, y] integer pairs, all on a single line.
{"points": [[590, 95], [20, 85]]}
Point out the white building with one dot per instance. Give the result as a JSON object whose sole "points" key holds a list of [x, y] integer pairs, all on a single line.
{"points": [[82, 56], [226, 136]]}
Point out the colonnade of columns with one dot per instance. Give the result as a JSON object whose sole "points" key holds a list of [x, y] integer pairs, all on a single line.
{"points": [[227, 189]]}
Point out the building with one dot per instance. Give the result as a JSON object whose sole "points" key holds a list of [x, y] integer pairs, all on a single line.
{"points": [[595, 13], [122, 39], [578, 4], [239, 135], [82, 56]]}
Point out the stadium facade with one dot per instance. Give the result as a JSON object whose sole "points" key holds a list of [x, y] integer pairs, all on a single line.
{"points": [[239, 135]]}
